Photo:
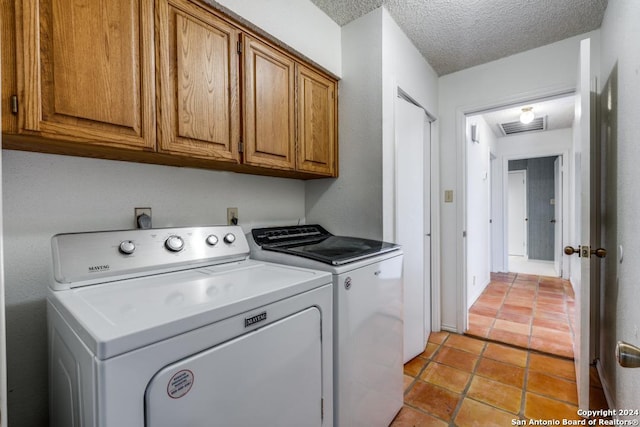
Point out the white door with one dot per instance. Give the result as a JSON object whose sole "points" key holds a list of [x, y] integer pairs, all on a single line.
{"points": [[557, 216], [517, 212], [581, 279], [271, 376], [412, 219]]}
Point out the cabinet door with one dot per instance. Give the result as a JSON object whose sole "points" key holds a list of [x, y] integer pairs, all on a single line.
{"points": [[316, 123], [86, 71], [269, 106], [198, 66]]}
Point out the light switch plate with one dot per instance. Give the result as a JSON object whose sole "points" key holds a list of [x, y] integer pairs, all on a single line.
{"points": [[448, 196]]}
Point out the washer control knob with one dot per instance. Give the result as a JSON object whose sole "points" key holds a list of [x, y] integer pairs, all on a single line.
{"points": [[174, 243], [212, 240], [229, 238], [127, 247]]}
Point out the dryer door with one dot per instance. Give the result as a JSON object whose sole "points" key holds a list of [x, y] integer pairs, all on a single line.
{"points": [[270, 376]]}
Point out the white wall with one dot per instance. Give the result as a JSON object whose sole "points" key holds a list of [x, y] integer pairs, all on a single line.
{"points": [[377, 57], [352, 204], [45, 194], [620, 35], [526, 146], [300, 24], [478, 208], [546, 70]]}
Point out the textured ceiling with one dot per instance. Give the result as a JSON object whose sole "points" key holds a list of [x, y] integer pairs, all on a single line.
{"points": [[457, 34]]}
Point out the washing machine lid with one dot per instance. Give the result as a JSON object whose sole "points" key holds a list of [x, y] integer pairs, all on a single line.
{"points": [[118, 317]]}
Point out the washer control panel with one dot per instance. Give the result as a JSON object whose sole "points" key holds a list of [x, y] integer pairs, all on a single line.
{"points": [[82, 259]]}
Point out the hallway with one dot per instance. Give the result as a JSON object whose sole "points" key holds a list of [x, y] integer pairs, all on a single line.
{"points": [[528, 311]]}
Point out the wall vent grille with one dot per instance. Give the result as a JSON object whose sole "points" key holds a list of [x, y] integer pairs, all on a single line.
{"points": [[512, 128]]}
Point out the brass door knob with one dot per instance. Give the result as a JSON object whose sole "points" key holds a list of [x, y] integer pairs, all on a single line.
{"points": [[569, 250], [600, 252], [628, 355]]}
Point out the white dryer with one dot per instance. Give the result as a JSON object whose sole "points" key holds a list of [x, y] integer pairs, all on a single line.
{"points": [[367, 309], [177, 327]]}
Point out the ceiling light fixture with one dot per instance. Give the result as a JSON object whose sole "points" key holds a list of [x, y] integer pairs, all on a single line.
{"points": [[527, 115]]}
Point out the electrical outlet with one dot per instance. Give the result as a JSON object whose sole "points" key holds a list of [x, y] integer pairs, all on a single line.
{"points": [[137, 212], [232, 216]]}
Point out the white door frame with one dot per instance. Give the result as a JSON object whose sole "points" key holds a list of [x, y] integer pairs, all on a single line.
{"points": [[461, 186]]}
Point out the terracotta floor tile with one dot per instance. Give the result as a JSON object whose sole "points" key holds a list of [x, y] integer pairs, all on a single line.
{"points": [[552, 366], [429, 350], [474, 414], [433, 399], [480, 320], [550, 315], [490, 301], [564, 349], [409, 417], [520, 302], [501, 372], [477, 331], [551, 324], [597, 399], [517, 309], [457, 358], [445, 376], [551, 334], [540, 407], [509, 338], [514, 317], [556, 308], [461, 342], [528, 293], [495, 394], [527, 277], [483, 311], [438, 337], [505, 354], [518, 328], [414, 366], [553, 387], [407, 382]]}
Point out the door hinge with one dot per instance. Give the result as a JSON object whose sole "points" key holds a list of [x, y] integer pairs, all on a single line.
{"points": [[464, 234], [241, 147], [322, 409], [239, 47], [14, 104]]}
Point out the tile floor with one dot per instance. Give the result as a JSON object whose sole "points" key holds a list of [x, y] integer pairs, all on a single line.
{"points": [[529, 311], [463, 381]]}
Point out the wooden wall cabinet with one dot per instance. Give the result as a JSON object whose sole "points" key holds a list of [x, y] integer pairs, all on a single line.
{"points": [[85, 72], [317, 126], [197, 82], [162, 81], [269, 106]]}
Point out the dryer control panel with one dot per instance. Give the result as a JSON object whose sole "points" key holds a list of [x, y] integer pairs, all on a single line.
{"points": [[81, 259]]}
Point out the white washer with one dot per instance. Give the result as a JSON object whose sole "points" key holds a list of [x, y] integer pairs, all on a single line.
{"points": [[368, 322], [177, 327]]}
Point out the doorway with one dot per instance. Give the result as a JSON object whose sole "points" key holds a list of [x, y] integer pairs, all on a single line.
{"points": [[530, 309]]}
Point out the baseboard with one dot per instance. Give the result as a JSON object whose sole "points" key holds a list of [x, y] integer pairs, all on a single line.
{"points": [[605, 386]]}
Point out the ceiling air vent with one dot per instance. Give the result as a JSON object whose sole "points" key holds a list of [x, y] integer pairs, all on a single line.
{"points": [[513, 128]]}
